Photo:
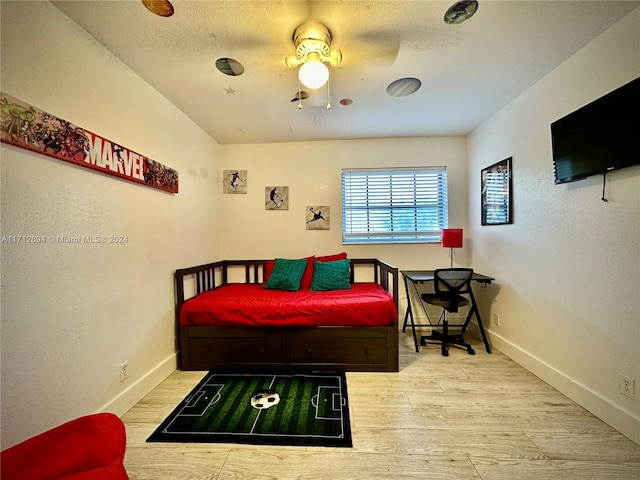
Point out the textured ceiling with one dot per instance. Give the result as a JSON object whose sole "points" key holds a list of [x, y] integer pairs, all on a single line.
{"points": [[467, 71]]}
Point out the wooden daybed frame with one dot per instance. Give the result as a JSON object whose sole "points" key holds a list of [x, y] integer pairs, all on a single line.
{"points": [[285, 348]]}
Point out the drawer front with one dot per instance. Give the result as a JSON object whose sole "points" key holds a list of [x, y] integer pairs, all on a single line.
{"points": [[235, 350], [368, 351]]}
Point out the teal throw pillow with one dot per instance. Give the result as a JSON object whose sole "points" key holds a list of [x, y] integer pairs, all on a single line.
{"points": [[286, 275], [331, 276]]}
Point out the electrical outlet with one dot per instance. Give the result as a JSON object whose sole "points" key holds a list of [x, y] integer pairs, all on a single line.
{"points": [[627, 386], [495, 318], [124, 371]]}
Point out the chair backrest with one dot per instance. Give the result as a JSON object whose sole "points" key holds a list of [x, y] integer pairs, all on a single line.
{"points": [[452, 281]]}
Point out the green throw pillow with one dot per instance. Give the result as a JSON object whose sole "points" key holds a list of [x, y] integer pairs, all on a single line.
{"points": [[286, 274], [331, 276]]}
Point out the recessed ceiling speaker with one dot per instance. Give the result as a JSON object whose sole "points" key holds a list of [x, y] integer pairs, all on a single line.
{"points": [[229, 66], [403, 87], [460, 11]]}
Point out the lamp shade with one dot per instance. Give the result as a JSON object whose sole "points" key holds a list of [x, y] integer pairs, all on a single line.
{"points": [[452, 237]]}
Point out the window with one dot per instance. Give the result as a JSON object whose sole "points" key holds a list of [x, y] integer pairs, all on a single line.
{"points": [[394, 205]]}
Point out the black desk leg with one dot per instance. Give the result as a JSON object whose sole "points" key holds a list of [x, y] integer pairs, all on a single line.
{"points": [[474, 309], [406, 316], [409, 315]]}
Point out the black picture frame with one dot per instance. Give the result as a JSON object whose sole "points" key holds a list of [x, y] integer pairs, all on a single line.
{"points": [[496, 193]]}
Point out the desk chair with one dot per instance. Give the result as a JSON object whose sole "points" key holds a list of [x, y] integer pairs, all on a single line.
{"points": [[450, 284]]}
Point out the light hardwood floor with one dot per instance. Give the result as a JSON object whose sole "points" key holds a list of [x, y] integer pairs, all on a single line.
{"points": [[462, 417]]}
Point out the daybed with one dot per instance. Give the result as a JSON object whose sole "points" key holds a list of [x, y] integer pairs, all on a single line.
{"points": [[353, 329]]}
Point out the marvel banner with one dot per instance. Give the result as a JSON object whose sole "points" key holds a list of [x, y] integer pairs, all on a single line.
{"points": [[28, 127]]}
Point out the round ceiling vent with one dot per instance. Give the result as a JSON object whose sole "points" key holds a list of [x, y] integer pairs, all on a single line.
{"points": [[403, 87], [229, 66]]}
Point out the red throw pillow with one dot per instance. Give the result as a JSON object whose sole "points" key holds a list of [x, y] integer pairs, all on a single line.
{"points": [[305, 283], [332, 258], [268, 268]]}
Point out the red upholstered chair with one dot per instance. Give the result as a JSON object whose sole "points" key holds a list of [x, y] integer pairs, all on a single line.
{"points": [[87, 448]]}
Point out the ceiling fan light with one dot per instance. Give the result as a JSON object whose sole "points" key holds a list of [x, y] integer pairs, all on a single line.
{"points": [[313, 74]]}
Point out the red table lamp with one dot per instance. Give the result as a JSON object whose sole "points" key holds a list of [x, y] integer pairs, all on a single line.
{"points": [[452, 238]]}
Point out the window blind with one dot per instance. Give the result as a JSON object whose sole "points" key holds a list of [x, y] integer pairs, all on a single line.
{"points": [[496, 203], [399, 205]]}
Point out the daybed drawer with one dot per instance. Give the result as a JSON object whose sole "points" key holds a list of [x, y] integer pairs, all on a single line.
{"points": [[235, 350], [347, 350]]}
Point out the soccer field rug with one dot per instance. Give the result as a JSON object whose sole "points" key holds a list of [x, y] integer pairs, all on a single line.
{"points": [[305, 409]]}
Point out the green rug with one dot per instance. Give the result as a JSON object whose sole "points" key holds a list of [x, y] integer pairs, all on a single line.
{"points": [[305, 409]]}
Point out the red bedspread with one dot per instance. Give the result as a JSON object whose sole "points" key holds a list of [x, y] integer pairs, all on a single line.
{"points": [[242, 304]]}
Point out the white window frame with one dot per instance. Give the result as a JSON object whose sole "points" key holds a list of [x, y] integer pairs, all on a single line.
{"points": [[394, 205]]}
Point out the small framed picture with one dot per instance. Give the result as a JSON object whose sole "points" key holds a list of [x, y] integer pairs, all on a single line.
{"points": [[496, 193], [276, 198], [234, 181], [318, 217]]}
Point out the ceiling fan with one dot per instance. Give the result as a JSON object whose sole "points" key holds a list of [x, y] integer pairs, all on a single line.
{"points": [[312, 41]]}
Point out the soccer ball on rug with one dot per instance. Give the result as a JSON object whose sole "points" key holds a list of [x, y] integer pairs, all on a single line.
{"points": [[265, 400]]}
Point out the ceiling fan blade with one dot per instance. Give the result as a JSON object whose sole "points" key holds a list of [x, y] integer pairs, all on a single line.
{"points": [[162, 8], [377, 46]]}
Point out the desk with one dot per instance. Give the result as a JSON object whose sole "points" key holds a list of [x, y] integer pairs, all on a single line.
{"points": [[416, 277]]}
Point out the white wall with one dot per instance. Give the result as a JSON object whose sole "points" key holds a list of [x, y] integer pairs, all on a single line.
{"points": [[72, 313], [312, 171], [568, 269]]}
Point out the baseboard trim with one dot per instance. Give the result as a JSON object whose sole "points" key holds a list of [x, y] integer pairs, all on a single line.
{"points": [[623, 421], [137, 390]]}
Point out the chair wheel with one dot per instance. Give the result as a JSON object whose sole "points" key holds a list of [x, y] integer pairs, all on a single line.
{"points": [[423, 342], [471, 351], [445, 353]]}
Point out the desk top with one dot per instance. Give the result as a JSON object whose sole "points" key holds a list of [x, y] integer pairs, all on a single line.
{"points": [[422, 276]]}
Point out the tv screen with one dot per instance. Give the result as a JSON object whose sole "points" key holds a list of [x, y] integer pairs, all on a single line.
{"points": [[601, 136]]}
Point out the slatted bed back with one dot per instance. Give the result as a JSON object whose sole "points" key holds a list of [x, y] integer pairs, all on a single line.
{"points": [[205, 280], [253, 270]]}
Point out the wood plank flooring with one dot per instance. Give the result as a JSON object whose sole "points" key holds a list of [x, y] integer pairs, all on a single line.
{"points": [[480, 417]]}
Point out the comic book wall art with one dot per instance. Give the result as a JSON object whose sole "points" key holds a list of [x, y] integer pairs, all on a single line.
{"points": [[28, 127]]}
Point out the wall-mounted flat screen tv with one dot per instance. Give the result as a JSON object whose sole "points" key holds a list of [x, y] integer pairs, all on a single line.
{"points": [[601, 136]]}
